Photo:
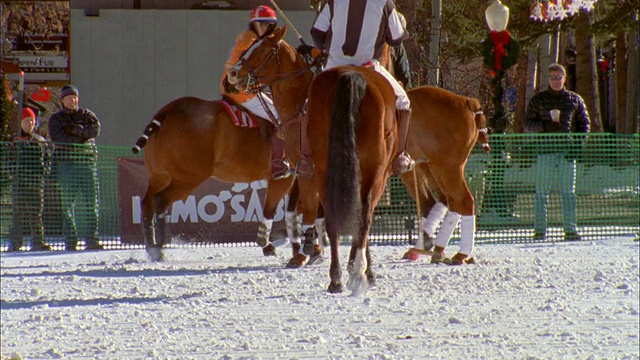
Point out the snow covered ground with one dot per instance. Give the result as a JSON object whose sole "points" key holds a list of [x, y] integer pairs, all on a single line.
{"points": [[546, 301]]}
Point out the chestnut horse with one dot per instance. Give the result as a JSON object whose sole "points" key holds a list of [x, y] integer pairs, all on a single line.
{"points": [[353, 136], [190, 140], [444, 129], [352, 133]]}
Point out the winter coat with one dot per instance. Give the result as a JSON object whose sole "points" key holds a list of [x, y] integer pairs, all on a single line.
{"points": [[79, 129], [30, 157], [573, 119]]}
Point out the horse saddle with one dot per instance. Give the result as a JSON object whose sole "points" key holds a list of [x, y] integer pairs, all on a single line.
{"points": [[238, 115]]}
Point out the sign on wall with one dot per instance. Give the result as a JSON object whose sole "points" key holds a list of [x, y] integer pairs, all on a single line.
{"points": [[42, 58], [215, 212]]}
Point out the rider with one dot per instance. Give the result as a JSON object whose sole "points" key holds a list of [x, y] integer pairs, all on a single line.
{"points": [[262, 23], [343, 28]]}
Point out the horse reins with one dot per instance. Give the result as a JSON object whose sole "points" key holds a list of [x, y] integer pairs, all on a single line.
{"points": [[253, 73]]}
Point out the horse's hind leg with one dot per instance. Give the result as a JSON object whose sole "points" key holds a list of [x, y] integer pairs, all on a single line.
{"points": [[461, 207], [161, 202]]}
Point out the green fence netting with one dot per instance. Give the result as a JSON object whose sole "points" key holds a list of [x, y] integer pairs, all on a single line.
{"points": [[502, 182]]}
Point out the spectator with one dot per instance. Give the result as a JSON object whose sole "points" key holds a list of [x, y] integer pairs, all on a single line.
{"points": [[31, 163], [73, 131], [557, 110]]}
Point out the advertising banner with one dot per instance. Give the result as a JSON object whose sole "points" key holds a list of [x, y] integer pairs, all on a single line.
{"points": [[215, 212]]}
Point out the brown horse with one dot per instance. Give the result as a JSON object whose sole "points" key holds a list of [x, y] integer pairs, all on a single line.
{"points": [[444, 129], [190, 140], [353, 135]]}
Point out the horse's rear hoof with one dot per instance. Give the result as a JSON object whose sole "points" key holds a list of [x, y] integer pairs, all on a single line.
{"points": [[269, 250], [457, 259], [437, 257], [316, 257], [297, 261], [155, 253], [335, 288]]}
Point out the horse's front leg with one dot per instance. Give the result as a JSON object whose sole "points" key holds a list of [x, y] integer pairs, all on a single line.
{"points": [[276, 190]]}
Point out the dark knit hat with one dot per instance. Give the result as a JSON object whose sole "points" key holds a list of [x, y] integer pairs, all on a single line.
{"points": [[68, 90]]}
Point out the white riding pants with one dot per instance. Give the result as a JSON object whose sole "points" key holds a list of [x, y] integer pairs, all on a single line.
{"points": [[402, 100], [255, 107]]}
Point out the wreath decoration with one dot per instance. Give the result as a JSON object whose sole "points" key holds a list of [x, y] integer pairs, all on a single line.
{"points": [[499, 51]]}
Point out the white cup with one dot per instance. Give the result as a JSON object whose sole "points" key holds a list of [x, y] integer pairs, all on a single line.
{"points": [[555, 115]]}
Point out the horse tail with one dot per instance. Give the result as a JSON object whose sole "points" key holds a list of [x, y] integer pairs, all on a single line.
{"points": [[481, 124], [342, 194], [149, 130]]}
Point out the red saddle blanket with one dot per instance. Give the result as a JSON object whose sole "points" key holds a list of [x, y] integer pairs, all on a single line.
{"points": [[239, 116]]}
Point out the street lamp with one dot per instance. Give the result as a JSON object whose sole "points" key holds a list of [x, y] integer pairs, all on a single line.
{"points": [[497, 16], [495, 50]]}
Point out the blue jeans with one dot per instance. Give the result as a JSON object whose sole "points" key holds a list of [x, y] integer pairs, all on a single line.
{"points": [[548, 168]]}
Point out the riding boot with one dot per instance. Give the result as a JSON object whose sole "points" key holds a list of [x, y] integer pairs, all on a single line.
{"points": [[402, 162], [280, 168], [305, 164]]}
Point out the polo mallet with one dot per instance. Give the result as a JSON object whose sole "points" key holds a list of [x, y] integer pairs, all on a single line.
{"points": [[286, 19]]}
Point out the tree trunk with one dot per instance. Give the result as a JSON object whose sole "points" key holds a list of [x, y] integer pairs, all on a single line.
{"points": [[433, 76], [633, 84], [586, 72], [544, 42], [521, 79], [621, 83]]}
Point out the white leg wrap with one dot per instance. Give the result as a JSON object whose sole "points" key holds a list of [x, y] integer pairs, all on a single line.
{"points": [[467, 234], [446, 230], [268, 224], [431, 222], [290, 218], [320, 227]]}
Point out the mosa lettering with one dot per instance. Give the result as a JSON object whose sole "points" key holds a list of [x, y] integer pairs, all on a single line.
{"points": [[215, 212]]}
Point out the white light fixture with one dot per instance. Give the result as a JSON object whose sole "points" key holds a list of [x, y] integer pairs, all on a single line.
{"points": [[497, 16]]}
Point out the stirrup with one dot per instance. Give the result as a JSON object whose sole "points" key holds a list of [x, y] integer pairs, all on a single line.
{"points": [[281, 170], [304, 168]]}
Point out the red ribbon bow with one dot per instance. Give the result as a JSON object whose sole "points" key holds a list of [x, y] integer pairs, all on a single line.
{"points": [[500, 40]]}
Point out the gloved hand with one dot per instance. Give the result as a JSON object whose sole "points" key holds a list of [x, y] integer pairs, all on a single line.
{"points": [[73, 130], [304, 49]]}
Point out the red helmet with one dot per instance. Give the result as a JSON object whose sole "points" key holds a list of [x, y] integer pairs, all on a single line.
{"points": [[263, 13]]}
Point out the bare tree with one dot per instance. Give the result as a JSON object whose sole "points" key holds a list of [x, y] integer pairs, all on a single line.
{"points": [[586, 72]]}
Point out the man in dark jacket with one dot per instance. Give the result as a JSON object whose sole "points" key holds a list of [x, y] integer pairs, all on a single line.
{"points": [[30, 160], [557, 110], [73, 131]]}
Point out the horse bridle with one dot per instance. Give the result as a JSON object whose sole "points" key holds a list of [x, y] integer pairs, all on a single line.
{"points": [[255, 83]]}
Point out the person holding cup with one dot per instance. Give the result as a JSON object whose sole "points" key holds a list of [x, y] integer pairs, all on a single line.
{"points": [[557, 110]]}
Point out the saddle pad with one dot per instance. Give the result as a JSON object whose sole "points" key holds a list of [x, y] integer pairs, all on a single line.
{"points": [[239, 116]]}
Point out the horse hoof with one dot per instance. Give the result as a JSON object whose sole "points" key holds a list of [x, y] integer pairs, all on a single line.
{"points": [[316, 258], [296, 262], [155, 254], [457, 259], [335, 288], [308, 248], [437, 258], [269, 250]]}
